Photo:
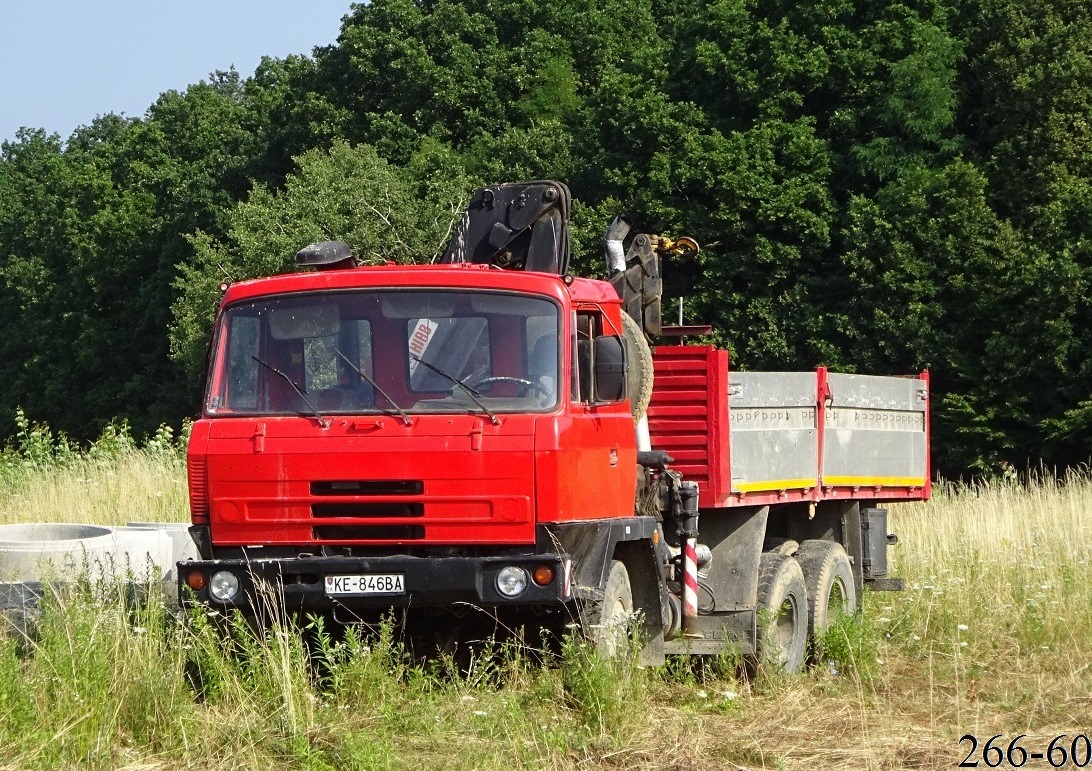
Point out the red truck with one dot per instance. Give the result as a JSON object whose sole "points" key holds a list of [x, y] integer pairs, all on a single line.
{"points": [[492, 439]]}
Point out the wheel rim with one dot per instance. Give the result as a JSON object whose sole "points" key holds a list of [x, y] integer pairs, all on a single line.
{"points": [[785, 629], [837, 600], [615, 627], [618, 612]]}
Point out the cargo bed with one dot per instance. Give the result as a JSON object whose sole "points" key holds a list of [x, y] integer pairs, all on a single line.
{"points": [[769, 437]]}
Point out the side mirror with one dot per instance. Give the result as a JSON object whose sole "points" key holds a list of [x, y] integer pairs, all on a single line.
{"points": [[610, 369]]}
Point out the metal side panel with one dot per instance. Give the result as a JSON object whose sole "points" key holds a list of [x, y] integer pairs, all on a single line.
{"points": [[773, 433], [875, 431], [687, 416]]}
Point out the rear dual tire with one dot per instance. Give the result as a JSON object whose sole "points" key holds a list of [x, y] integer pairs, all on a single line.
{"points": [[799, 598], [828, 577], [782, 613]]}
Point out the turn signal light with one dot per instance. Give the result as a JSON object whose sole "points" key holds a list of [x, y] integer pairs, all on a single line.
{"points": [[543, 575], [196, 580]]}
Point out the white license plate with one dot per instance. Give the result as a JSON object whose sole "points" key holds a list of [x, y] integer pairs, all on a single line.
{"points": [[373, 583]]}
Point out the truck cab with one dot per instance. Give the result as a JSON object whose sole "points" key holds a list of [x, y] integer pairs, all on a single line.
{"points": [[404, 435]]}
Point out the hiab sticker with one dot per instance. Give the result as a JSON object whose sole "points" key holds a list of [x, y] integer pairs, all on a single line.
{"points": [[419, 340]]}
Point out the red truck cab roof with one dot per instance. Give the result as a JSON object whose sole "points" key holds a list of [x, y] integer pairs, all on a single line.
{"points": [[456, 276]]}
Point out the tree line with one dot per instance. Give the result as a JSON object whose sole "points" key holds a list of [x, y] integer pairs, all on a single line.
{"points": [[878, 187]]}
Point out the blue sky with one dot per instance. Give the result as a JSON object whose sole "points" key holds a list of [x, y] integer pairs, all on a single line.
{"points": [[62, 62]]}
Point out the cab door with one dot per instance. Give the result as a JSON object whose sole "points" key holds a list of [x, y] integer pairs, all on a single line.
{"points": [[597, 452]]}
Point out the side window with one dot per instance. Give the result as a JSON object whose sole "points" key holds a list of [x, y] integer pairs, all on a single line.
{"points": [[587, 327], [242, 387], [319, 363], [324, 368], [589, 330]]}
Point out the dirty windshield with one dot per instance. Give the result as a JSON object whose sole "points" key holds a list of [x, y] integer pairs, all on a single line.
{"points": [[355, 352]]}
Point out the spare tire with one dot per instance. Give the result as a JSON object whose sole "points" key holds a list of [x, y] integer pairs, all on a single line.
{"points": [[639, 357]]}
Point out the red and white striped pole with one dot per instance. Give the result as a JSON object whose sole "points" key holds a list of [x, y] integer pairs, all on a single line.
{"points": [[688, 494], [690, 587]]}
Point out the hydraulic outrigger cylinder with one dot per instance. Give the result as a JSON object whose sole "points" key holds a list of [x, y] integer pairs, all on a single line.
{"points": [[688, 534]]}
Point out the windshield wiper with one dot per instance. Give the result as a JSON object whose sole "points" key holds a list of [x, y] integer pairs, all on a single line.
{"points": [[323, 422], [469, 391], [373, 384]]}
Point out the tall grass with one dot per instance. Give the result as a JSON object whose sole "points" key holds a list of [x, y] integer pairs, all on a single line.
{"points": [[993, 635], [48, 478], [998, 600], [107, 683]]}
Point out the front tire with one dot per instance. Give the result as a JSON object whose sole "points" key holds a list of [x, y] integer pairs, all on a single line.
{"points": [[608, 622], [783, 612]]}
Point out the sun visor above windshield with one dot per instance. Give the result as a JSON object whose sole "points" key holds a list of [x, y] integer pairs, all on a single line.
{"points": [[295, 322], [410, 305]]}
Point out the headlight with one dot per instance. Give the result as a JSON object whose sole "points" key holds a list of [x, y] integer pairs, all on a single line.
{"points": [[512, 581], [223, 586]]}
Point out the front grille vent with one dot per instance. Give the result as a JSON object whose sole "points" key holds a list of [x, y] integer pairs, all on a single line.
{"points": [[367, 510], [369, 533], [369, 487], [197, 471]]}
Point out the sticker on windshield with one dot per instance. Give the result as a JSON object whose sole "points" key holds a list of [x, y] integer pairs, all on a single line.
{"points": [[419, 340]]}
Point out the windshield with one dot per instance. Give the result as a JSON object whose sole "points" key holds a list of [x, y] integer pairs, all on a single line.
{"points": [[417, 351]]}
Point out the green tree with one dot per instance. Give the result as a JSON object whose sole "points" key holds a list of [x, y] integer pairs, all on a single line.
{"points": [[1026, 113], [346, 193], [877, 186]]}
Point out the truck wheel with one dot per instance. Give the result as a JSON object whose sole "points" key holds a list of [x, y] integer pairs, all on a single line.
{"points": [[828, 577], [639, 357], [609, 622], [782, 612]]}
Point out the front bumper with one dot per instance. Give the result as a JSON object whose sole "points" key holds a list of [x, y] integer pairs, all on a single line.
{"points": [[300, 582]]}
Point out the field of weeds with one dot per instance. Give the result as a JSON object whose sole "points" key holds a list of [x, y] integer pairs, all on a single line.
{"points": [[992, 637]]}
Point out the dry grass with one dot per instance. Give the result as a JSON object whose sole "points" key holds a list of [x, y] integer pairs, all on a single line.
{"points": [[992, 636], [136, 486], [48, 478]]}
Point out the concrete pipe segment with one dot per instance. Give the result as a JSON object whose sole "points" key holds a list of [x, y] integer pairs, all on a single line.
{"points": [[56, 551]]}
